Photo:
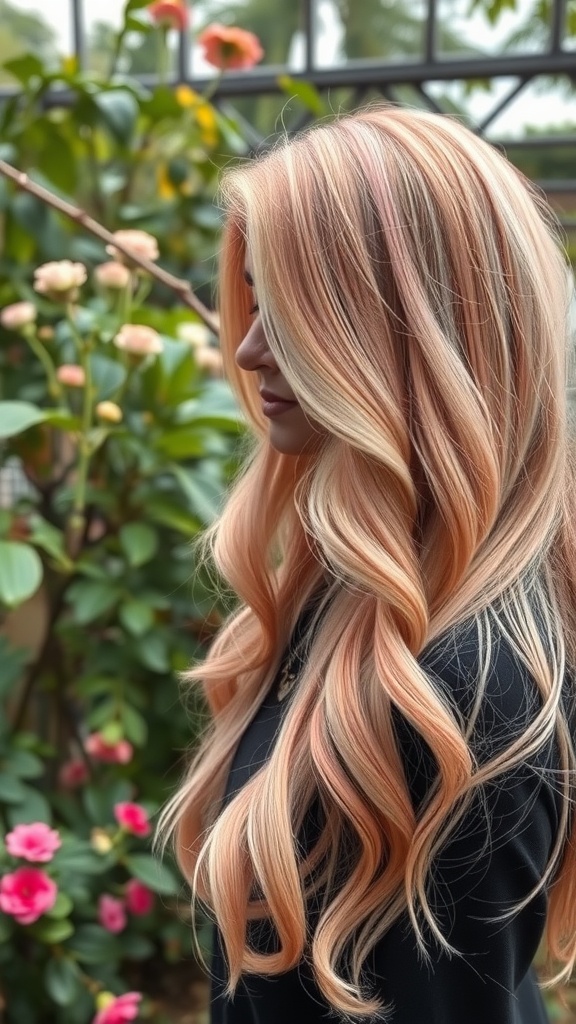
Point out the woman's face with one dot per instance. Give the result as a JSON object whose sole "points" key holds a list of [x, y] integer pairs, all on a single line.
{"points": [[290, 430]]}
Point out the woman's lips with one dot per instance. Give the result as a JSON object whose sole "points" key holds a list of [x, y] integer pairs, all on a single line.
{"points": [[274, 405]]}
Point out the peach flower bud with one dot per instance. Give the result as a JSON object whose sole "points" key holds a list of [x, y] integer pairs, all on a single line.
{"points": [[112, 275], [209, 359], [60, 279], [139, 340], [46, 333], [169, 14], [109, 411], [71, 375], [18, 315], [100, 841], [196, 335], [138, 242], [228, 47]]}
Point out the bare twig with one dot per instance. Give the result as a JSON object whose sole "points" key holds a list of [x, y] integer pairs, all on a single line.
{"points": [[178, 285]]}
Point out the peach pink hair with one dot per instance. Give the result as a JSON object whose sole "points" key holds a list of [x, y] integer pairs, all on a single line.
{"points": [[414, 294]]}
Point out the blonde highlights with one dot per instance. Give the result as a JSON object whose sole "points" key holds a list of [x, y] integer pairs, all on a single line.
{"points": [[414, 295]]}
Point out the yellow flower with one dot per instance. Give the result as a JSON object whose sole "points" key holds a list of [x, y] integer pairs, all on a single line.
{"points": [[100, 841], [164, 184], [186, 97], [109, 411], [206, 121]]}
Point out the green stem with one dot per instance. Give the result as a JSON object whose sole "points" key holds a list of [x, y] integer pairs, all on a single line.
{"points": [[85, 451], [163, 56], [41, 353]]}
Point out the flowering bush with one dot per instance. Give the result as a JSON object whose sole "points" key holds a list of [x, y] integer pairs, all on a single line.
{"points": [[118, 437]]}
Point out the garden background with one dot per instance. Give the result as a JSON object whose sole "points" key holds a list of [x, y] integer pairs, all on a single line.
{"points": [[118, 438]]}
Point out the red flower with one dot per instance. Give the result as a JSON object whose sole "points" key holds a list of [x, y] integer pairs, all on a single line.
{"points": [[111, 914], [26, 894], [36, 842], [227, 47], [119, 1010], [139, 898], [169, 14], [110, 753], [73, 773], [133, 818]]}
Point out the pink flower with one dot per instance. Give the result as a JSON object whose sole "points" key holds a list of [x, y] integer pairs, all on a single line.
{"points": [[210, 359], [139, 898], [139, 340], [139, 242], [36, 842], [60, 279], [169, 14], [73, 773], [133, 818], [18, 315], [111, 914], [117, 1010], [26, 894], [71, 375], [110, 753], [112, 275], [228, 47]]}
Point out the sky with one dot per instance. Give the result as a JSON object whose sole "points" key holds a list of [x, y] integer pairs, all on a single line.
{"points": [[536, 105]]}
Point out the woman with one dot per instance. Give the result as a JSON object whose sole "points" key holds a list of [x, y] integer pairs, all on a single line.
{"points": [[379, 818]]}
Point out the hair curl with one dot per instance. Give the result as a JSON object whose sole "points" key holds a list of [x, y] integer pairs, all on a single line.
{"points": [[414, 294]]}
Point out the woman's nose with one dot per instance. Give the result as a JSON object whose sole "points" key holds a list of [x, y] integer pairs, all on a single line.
{"points": [[253, 351]]}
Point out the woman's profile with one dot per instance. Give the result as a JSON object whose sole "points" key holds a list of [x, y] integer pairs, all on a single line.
{"points": [[379, 818]]}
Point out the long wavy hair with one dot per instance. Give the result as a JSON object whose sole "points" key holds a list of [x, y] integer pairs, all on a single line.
{"points": [[413, 291]]}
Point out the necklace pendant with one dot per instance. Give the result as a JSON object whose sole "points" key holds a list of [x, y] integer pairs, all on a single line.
{"points": [[286, 682]]}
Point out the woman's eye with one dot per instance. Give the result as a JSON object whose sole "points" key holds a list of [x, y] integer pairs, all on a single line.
{"points": [[255, 309]]}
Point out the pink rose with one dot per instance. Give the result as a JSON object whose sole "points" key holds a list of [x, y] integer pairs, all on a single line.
{"points": [[18, 315], [119, 1010], [60, 279], [36, 842], [73, 773], [142, 244], [228, 47], [112, 275], [139, 898], [110, 753], [139, 340], [169, 14], [111, 914], [71, 375], [26, 894], [133, 818]]}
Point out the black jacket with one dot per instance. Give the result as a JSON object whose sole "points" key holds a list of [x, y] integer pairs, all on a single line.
{"points": [[495, 857]]}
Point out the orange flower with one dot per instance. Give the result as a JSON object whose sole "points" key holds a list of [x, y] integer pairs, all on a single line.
{"points": [[227, 47], [169, 14]]}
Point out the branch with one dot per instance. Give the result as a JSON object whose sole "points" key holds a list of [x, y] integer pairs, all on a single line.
{"points": [[178, 285]]}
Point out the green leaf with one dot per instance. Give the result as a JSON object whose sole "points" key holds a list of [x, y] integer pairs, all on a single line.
{"points": [[20, 572], [156, 875], [94, 945], [170, 514], [76, 856], [139, 543], [135, 726], [12, 790], [137, 617], [47, 537], [119, 111], [305, 92], [108, 375], [61, 908], [99, 801], [152, 652], [33, 806], [203, 490], [25, 68], [137, 947], [24, 764], [51, 932], [89, 599], [62, 980], [16, 417], [6, 928]]}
